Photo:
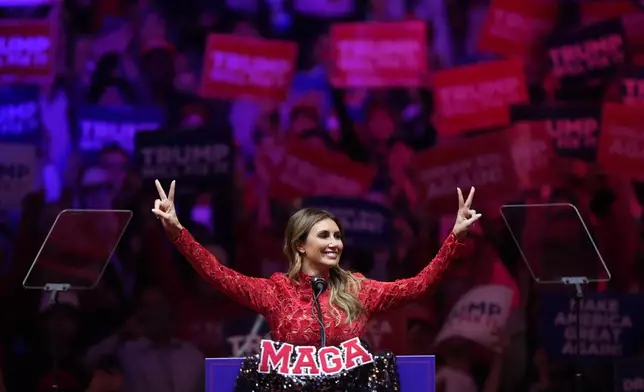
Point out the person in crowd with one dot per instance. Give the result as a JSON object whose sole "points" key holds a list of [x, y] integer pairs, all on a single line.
{"points": [[460, 358], [420, 336], [51, 355], [201, 311], [152, 359]]}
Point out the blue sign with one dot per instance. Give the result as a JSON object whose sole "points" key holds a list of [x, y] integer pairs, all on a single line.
{"points": [[417, 373], [365, 223], [610, 325], [20, 119], [629, 375], [100, 126]]}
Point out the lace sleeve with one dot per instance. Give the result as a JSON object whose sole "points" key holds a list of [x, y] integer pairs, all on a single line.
{"points": [[382, 296], [254, 293]]}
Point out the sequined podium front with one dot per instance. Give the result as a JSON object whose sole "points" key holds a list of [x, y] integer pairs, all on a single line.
{"points": [[415, 374]]}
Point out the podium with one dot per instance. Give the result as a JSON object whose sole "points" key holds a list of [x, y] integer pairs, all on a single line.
{"points": [[417, 373]]}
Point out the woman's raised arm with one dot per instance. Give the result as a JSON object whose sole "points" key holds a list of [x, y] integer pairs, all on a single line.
{"points": [[255, 293], [381, 296]]}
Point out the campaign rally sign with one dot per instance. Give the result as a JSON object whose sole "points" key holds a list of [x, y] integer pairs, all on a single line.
{"points": [[478, 96], [238, 67], [621, 144], [27, 50], [629, 375], [610, 325], [365, 223], [305, 171], [100, 126], [589, 54], [477, 315], [516, 27], [18, 168], [20, 119], [532, 153], [574, 128], [632, 87], [311, 361], [483, 161], [599, 11], [199, 157], [632, 24], [378, 54]]}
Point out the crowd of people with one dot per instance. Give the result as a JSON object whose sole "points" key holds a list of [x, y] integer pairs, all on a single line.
{"points": [[151, 320]]}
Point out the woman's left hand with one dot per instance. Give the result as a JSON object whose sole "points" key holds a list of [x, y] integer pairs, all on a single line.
{"points": [[465, 216]]}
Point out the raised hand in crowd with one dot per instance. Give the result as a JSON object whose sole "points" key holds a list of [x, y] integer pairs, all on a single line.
{"points": [[165, 211], [465, 216], [499, 345]]}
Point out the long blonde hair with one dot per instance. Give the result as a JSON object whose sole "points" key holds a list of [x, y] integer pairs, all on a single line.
{"points": [[343, 285]]}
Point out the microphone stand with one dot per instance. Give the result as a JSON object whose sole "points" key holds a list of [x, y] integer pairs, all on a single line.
{"points": [[318, 285], [55, 289], [579, 297], [320, 319]]}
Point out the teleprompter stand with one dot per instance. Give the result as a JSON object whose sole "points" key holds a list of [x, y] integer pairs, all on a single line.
{"points": [[74, 256], [557, 248]]}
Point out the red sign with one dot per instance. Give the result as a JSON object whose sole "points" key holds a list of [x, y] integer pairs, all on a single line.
{"points": [[532, 153], [598, 11], [621, 142], [311, 361], [483, 161], [632, 88], [306, 171], [378, 54], [633, 25], [478, 96], [236, 67], [515, 27], [27, 52]]}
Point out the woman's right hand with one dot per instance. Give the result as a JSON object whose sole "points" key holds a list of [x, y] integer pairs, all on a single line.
{"points": [[165, 211]]}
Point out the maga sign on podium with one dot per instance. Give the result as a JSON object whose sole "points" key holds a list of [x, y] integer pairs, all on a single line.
{"points": [[417, 373]]}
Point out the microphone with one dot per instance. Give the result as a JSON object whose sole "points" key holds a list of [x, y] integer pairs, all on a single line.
{"points": [[318, 285]]}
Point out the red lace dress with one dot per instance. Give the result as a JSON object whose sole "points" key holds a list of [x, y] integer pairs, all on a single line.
{"points": [[286, 304]]}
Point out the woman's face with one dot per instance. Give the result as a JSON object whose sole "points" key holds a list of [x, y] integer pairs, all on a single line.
{"points": [[185, 79], [399, 161], [322, 50], [60, 326], [323, 247], [111, 97], [153, 30], [301, 124], [244, 29], [115, 164], [381, 125]]}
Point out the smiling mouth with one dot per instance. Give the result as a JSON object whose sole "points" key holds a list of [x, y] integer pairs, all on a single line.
{"points": [[331, 254]]}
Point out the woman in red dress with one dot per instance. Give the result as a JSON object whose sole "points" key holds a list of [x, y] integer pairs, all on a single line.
{"points": [[313, 246]]}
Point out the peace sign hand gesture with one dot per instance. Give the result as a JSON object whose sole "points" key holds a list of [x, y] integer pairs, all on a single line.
{"points": [[164, 210], [465, 216]]}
